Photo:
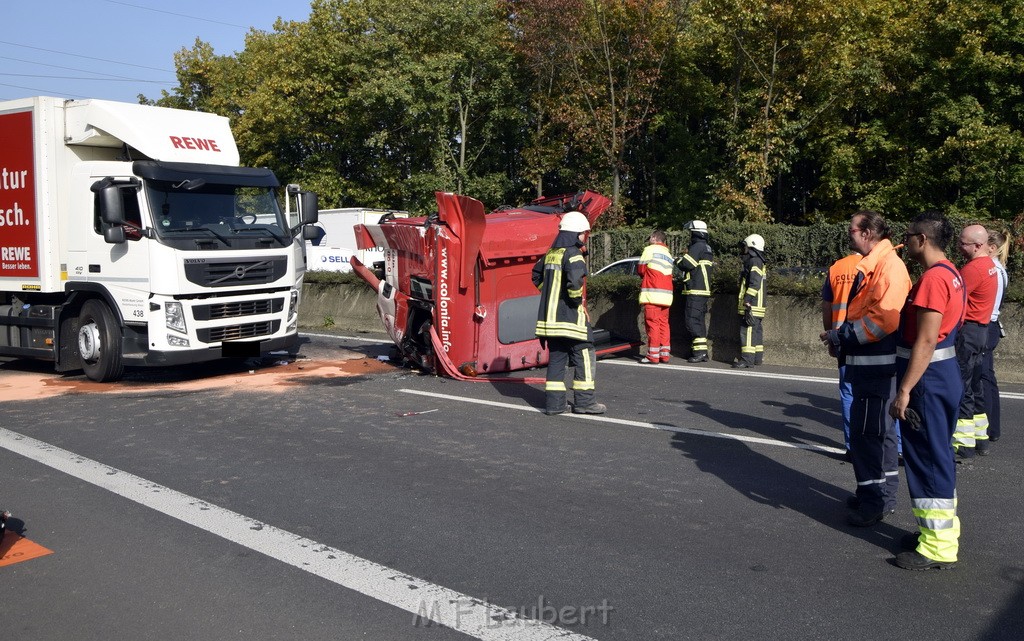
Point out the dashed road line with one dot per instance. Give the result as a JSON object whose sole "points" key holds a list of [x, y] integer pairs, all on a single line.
{"points": [[1016, 396], [724, 372], [626, 422]]}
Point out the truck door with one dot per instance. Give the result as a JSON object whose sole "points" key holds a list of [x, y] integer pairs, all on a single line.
{"points": [[121, 268]]}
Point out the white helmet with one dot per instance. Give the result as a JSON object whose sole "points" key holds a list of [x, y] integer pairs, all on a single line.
{"points": [[696, 225], [574, 221], [754, 241]]}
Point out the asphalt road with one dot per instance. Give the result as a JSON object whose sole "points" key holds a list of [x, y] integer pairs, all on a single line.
{"points": [[341, 498]]}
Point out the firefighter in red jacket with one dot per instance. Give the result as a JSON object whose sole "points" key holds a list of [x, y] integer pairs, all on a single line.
{"points": [[562, 322], [655, 270]]}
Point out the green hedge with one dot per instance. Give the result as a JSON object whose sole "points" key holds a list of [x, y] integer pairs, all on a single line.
{"points": [[797, 257]]}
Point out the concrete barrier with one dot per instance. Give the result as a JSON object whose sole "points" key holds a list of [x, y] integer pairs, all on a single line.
{"points": [[791, 326]]}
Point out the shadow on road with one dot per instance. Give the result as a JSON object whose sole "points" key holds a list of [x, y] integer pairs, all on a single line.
{"points": [[767, 481]]}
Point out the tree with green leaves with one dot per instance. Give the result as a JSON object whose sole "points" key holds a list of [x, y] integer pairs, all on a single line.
{"points": [[604, 63]]}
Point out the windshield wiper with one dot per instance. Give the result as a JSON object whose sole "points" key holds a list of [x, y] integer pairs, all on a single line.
{"points": [[281, 239], [180, 230]]}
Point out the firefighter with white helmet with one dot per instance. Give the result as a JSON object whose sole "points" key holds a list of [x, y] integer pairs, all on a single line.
{"points": [[697, 263], [574, 221], [751, 302], [562, 322]]}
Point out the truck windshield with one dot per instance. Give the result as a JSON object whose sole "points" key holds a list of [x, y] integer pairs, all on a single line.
{"points": [[232, 215]]}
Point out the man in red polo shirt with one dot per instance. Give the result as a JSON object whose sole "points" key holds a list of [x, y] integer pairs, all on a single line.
{"points": [[982, 285], [927, 390]]}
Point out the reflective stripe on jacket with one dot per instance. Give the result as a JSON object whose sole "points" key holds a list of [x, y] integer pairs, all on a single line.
{"points": [[698, 265], [752, 280], [560, 276], [841, 275], [873, 316], [655, 271]]}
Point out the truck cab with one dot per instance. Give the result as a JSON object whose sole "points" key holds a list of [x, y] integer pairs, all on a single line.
{"points": [[152, 246]]}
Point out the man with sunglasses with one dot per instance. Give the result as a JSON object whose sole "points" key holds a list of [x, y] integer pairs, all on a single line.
{"points": [[866, 341], [928, 389]]}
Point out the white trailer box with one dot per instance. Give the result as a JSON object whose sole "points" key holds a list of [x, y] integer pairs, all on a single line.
{"points": [[129, 235], [331, 252]]}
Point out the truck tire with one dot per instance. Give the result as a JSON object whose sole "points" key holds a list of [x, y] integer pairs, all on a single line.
{"points": [[99, 343]]}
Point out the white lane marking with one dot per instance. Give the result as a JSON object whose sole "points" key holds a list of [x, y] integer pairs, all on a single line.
{"points": [[650, 426], [1017, 396], [426, 601], [726, 372], [360, 339]]}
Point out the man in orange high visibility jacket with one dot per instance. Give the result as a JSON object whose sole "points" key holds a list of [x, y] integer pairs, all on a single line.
{"points": [[655, 271], [867, 342], [835, 294]]}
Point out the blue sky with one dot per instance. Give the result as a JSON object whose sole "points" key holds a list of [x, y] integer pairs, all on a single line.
{"points": [[114, 49]]}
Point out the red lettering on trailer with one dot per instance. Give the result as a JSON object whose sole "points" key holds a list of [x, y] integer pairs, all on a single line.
{"points": [[187, 142]]}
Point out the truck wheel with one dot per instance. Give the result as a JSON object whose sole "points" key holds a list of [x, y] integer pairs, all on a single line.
{"points": [[99, 343]]}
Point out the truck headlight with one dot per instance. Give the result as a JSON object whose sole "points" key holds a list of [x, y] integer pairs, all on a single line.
{"points": [[174, 316], [177, 341], [293, 305]]}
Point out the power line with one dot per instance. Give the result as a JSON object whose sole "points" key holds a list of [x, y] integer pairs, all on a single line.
{"points": [[43, 92], [75, 55], [171, 13], [43, 64], [32, 75]]}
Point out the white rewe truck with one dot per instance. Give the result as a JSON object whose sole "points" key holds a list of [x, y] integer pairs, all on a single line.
{"points": [[129, 236]]}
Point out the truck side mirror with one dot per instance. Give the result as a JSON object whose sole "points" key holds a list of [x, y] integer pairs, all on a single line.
{"points": [[114, 235], [310, 233], [111, 205], [309, 208]]}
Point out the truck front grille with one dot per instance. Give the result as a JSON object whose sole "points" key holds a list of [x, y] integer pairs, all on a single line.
{"points": [[232, 273], [238, 309], [234, 332]]}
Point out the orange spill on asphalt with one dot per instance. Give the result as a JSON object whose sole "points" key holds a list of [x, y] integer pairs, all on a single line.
{"points": [[20, 386]]}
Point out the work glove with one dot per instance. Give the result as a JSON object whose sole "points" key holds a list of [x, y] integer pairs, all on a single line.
{"points": [[748, 316], [913, 419], [831, 341]]}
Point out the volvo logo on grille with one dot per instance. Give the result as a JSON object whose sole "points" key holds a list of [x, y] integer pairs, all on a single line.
{"points": [[240, 271]]}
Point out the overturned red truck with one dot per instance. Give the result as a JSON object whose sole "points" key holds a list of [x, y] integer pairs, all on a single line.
{"points": [[456, 294]]}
